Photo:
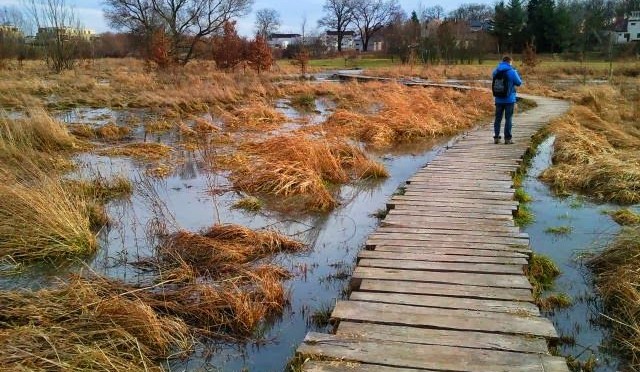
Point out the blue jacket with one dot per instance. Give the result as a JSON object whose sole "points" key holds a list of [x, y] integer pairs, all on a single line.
{"points": [[514, 81]]}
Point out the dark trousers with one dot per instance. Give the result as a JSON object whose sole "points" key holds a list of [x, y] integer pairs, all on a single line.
{"points": [[506, 110]]}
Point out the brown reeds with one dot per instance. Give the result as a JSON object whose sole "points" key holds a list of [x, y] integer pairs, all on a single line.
{"points": [[43, 220], [302, 168], [596, 147], [384, 114], [86, 324], [255, 115], [616, 279]]}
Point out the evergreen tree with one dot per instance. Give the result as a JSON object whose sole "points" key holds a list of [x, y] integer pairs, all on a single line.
{"points": [[516, 21], [501, 26], [541, 25]]}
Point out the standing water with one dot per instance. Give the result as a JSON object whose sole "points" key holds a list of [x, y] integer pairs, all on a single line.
{"points": [[565, 229]]}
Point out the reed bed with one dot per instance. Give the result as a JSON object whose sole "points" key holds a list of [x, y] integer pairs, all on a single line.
{"points": [[616, 279], [302, 169], [217, 283], [596, 147], [385, 114], [85, 324]]}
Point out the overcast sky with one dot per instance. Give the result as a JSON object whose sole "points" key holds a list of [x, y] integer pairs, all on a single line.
{"points": [[291, 11]]}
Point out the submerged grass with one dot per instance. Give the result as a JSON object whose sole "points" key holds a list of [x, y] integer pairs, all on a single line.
{"points": [[559, 230], [142, 150], [616, 279], [249, 203]]}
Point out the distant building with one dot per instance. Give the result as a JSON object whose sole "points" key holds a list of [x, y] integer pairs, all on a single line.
{"points": [[10, 31], [477, 25], [283, 40], [626, 30], [46, 34], [348, 40], [375, 44]]}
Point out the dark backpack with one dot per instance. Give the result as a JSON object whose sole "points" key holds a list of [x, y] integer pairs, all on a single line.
{"points": [[500, 84]]}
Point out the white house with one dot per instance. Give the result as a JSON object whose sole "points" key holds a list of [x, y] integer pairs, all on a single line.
{"points": [[375, 44], [627, 30], [283, 40], [348, 40]]}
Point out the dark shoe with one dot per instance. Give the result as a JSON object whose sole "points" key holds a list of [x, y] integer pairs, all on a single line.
{"points": [[508, 142], [496, 140]]}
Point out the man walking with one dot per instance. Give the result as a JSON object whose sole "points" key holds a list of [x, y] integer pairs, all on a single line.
{"points": [[505, 81]]}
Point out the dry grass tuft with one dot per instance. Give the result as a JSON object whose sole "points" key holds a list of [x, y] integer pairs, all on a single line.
{"points": [[255, 115], [112, 132], [298, 167], [616, 279], [626, 217], [597, 147], [142, 150], [43, 220], [82, 325], [102, 189]]}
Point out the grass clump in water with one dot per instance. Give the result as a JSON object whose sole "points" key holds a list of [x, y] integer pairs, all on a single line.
{"points": [[559, 230], [102, 189], [541, 273], [523, 216], [305, 102], [43, 220], [302, 170], [522, 196], [625, 217], [321, 317], [142, 150], [249, 203], [616, 279], [596, 147], [555, 301]]}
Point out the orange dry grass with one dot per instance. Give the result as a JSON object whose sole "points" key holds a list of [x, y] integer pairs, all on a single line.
{"points": [[407, 114], [143, 150], [256, 115], [127, 83], [300, 167], [85, 324], [597, 147]]}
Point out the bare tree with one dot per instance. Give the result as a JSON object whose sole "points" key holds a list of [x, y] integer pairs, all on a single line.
{"points": [[338, 16], [472, 12], [431, 13], [186, 22], [370, 16], [58, 31], [267, 22]]}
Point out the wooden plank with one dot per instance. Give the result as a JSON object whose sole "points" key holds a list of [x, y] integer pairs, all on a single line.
{"points": [[464, 267], [453, 200], [442, 358], [426, 193], [449, 208], [445, 289], [446, 302], [427, 230], [427, 336], [449, 238], [521, 248], [473, 252], [431, 257], [339, 366], [480, 280], [411, 222], [458, 187], [449, 214], [428, 317]]}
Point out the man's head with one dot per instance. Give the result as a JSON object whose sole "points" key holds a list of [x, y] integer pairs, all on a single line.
{"points": [[506, 59]]}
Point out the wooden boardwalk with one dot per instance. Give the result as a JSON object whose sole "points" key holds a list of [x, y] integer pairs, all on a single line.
{"points": [[440, 285]]}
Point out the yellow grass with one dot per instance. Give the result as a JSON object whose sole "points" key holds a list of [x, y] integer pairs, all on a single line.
{"points": [[302, 168], [616, 278], [597, 146], [384, 114]]}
